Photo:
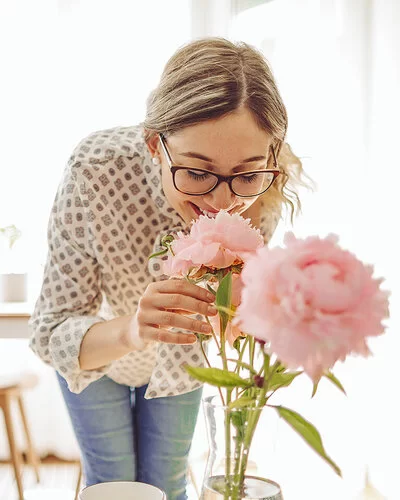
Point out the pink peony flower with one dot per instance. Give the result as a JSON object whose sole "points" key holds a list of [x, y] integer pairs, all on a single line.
{"points": [[213, 242], [237, 287], [313, 302]]}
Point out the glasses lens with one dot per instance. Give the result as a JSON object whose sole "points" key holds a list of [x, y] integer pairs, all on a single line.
{"points": [[252, 184], [194, 181]]}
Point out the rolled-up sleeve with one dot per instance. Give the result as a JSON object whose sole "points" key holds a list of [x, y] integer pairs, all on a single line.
{"points": [[70, 296]]}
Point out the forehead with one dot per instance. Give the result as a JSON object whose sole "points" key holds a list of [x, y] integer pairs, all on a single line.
{"points": [[231, 138]]}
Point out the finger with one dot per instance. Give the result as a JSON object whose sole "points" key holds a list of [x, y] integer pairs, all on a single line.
{"points": [[166, 337], [185, 313], [167, 319], [175, 302], [182, 287], [180, 311]]}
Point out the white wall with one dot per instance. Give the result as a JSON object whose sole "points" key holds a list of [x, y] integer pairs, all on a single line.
{"points": [[337, 64], [69, 68]]}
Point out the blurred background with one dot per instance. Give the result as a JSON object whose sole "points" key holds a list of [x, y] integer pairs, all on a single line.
{"points": [[70, 67]]}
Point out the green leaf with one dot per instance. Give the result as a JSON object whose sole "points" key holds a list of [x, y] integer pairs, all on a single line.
{"points": [[280, 368], [308, 432], [223, 299], [243, 401], [282, 379], [330, 376], [167, 240], [166, 244], [315, 387], [228, 311], [236, 345], [157, 254], [217, 377]]}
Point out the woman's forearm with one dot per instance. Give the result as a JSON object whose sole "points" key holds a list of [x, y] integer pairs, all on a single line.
{"points": [[105, 342]]}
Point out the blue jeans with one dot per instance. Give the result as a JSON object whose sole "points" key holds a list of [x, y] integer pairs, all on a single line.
{"points": [[124, 437]]}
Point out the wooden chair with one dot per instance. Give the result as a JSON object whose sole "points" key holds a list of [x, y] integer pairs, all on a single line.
{"points": [[11, 390], [78, 481]]}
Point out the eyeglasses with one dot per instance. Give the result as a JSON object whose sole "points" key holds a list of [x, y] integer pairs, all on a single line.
{"points": [[196, 181]]}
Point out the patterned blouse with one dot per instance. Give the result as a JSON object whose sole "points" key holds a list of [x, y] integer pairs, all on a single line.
{"points": [[107, 218]]}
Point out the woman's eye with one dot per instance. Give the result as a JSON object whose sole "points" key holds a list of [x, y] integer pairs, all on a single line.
{"points": [[198, 176], [249, 178]]}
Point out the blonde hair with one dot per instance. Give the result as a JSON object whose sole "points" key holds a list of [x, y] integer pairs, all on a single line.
{"points": [[210, 77]]}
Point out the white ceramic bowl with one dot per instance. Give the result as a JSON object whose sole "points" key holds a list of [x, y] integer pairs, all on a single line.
{"points": [[122, 490]]}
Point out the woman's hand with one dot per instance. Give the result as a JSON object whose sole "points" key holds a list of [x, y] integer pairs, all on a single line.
{"points": [[164, 305]]}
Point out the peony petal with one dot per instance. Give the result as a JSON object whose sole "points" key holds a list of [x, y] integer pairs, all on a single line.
{"points": [[314, 302]]}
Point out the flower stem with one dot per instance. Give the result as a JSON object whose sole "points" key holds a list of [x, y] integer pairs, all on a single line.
{"points": [[228, 483], [252, 346], [223, 351], [254, 417], [209, 365], [240, 358]]}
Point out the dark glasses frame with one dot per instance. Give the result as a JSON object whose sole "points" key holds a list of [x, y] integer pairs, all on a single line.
{"points": [[220, 178]]}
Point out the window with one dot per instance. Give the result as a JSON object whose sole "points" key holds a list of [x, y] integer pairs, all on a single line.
{"points": [[70, 70]]}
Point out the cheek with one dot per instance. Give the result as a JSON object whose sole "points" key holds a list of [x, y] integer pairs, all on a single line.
{"points": [[174, 197], [168, 187], [166, 179], [247, 203]]}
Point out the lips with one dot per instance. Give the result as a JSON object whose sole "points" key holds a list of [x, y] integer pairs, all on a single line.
{"points": [[209, 213], [201, 211]]}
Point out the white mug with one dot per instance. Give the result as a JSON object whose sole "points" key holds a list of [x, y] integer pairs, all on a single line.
{"points": [[122, 490], [13, 287]]}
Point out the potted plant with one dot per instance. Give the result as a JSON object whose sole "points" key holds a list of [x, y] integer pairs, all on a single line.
{"points": [[13, 285]]}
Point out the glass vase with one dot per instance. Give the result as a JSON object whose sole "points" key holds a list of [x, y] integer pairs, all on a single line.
{"points": [[241, 448]]}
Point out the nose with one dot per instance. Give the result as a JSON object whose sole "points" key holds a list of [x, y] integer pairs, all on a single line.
{"points": [[221, 198]]}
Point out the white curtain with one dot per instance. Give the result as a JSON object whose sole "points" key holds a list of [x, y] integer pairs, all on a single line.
{"points": [[337, 64]]}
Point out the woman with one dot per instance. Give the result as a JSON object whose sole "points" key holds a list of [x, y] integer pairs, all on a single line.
{"points": [[116, 333]]}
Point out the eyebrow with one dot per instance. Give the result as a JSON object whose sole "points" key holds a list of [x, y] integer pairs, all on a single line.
{"points": [[190, 154]]}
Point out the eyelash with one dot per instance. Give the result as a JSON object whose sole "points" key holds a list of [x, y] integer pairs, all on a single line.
{"points": [[200, 177], [248, 178], [196, 176]]}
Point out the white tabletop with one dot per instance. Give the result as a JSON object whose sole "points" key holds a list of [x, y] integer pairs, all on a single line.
{"points": [[16, 309], [14, 318]]}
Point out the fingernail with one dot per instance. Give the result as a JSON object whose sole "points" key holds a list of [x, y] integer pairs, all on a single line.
{"points": [[206, 328], [210, 296], [212, 310]]}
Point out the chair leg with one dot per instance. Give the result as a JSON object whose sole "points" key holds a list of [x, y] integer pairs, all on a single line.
{"points": [[32, 457], [192, 478], [15, 456], [78, 482]]}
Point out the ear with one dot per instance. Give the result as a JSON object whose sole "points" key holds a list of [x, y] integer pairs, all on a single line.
{"points": [[153, 145]]}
